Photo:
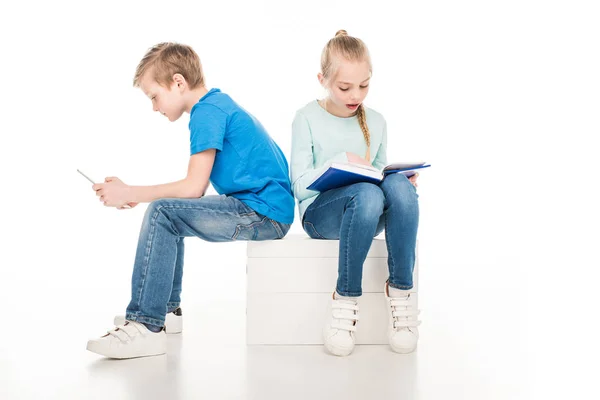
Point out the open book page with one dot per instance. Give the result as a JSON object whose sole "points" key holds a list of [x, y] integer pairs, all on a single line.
{"points": [[360, 169]]}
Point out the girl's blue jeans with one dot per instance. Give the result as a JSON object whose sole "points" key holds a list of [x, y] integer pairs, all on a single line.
{"points": [[355, 214]]}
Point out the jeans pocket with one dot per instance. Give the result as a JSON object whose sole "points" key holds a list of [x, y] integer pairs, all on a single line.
{"points": [[264, 229], [309, 228], [246, 231]]}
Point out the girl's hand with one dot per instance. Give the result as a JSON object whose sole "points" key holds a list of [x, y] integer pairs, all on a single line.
{"points": [[356, 159], [413, 179], [113, 192]]}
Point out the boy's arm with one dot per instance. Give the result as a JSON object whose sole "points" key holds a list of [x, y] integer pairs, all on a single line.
{"points": [[194, 185], [114, 193]]}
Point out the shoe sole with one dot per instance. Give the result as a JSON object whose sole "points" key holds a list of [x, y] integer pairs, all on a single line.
{"points": [[95, 348], [337, 350]]}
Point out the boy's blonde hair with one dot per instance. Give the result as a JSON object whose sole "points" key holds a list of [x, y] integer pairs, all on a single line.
{"points": [[167, 59], [351, 49]]}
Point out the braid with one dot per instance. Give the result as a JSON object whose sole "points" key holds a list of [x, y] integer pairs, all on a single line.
{"points": [[362, 121]]}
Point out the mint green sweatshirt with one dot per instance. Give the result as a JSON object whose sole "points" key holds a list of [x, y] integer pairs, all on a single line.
{"points": [[320, 138]]}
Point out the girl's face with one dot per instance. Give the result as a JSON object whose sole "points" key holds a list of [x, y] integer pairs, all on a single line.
{"points": [[348, 87]]}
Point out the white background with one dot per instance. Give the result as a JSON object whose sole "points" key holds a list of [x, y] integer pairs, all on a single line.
{"points": [[502, 98]]}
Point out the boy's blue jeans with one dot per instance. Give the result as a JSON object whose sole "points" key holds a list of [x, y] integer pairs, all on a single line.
{"points": [[356, 213], [158, 269]]}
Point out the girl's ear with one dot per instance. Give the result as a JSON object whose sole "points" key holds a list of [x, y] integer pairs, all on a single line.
{"points": [[321, 79]]}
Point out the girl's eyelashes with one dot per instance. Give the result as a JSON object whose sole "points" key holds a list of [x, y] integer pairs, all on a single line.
{"points": [[362, 87]]}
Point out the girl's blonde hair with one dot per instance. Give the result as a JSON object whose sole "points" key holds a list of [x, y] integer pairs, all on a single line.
{"points": [[168, 59], [351, 49]]}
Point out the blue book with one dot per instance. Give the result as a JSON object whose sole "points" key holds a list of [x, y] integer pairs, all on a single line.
{"points": [[344, 174]]}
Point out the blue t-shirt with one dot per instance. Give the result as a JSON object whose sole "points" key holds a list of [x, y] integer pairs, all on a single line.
{"points": [[248, 163]]}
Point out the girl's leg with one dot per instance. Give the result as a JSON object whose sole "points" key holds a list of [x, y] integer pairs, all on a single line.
{"points": [[350, 214], [401, 216]]}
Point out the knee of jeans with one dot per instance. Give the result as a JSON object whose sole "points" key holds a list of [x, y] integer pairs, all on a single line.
{"points": [[155, 206], [368, 200], [397, 186], [153, 209]]}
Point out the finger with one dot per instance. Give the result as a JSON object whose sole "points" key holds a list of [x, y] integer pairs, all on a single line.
{"points": [[97, 186], [109, 179]]}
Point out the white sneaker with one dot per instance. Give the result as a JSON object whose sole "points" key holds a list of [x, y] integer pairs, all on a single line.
{"points": [[338, 333], [173, 321], [403, 333], [129, 340]]}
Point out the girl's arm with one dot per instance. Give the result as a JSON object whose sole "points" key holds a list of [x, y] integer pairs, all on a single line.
{"points": [[380, 161], [302, 161]]}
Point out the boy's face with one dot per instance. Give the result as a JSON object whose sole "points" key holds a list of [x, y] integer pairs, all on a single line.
{"points": [[349, 87], [167, 101]]}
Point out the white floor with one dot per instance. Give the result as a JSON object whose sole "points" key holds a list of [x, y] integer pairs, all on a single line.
{"points": [[467, 351]]}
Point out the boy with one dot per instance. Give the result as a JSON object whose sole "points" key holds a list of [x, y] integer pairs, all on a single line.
{"points": [[229, 148]]}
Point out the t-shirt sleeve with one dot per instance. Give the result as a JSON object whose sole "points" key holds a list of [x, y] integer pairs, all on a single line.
{"points": [[208, 125]]}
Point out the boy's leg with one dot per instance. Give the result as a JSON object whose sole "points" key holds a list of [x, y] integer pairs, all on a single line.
{"points": [[401, 214], [156, 271], [175, 298], [350, 214]]}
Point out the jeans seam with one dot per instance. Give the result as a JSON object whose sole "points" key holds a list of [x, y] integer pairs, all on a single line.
{"points": [[144, 320], [349, 294], [392, 266], [277, 228], [326, 204], [249, 226], [402, 287], [147, 255], [202, 208], [347, 252], [314, 229]]}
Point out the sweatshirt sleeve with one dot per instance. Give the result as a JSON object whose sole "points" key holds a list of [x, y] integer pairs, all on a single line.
{"points": [[380, 161], [302, 163]]}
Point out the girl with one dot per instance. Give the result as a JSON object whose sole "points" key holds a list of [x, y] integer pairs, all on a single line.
{"points": [[339, 128]]}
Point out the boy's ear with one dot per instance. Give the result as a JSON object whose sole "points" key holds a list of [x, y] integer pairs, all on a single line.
{"points": [[179, 80]]}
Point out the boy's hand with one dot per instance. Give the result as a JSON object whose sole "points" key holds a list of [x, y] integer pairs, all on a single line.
{"points": [[113, 192], [127, 206], [413, 179], [356, 159]]}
